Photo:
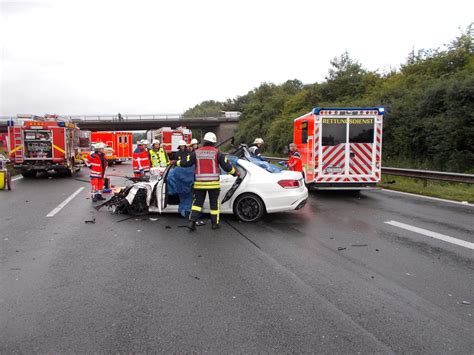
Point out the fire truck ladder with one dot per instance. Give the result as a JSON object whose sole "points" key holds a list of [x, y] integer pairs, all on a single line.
{"points": [[18, 144]]}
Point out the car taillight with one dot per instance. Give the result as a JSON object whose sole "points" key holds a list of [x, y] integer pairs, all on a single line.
{"points": [[289, 184]]}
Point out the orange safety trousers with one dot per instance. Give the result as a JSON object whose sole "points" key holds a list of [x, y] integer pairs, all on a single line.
{"points": [[97, 184]]}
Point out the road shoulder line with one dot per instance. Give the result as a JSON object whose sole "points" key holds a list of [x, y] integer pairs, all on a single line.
{"points": [[429, 197], [64, 203], [431, 234]]}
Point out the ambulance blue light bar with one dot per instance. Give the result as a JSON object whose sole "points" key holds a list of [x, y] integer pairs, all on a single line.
{"points": [[319, 110]]}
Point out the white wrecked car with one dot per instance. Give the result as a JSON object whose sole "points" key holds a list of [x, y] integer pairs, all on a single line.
{"points": [[257, 191]]}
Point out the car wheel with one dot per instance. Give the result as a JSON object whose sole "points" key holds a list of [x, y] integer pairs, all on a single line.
{"points": [[249, 208], [29, 174]]}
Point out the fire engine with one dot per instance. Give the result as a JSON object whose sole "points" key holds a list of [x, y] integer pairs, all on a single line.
{"points": [[120, 142], [43, 144], [170, 138], [341, 148]]}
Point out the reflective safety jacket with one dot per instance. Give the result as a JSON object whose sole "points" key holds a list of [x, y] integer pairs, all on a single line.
{"points": [[206, 161], [158, 158], [97, 163], [141, 161], [294, 162], [181, 154]]}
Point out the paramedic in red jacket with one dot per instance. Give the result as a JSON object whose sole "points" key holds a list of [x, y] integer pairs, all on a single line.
{"points": [[294, 161], [207, 161], [141, 160], [97, 163]]}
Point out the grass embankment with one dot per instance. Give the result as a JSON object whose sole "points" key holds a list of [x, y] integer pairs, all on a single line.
{"points": [[441, 189]]}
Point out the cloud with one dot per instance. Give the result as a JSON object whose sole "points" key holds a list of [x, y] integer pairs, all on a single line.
{"points": [[93, 57]]}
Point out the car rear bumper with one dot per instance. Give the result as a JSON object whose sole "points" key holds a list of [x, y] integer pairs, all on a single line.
{"points": [[292, 200]]}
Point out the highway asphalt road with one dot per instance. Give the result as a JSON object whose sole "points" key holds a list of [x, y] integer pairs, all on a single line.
{"points": [[333, 277]]}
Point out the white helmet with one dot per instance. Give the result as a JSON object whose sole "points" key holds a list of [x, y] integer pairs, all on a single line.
{"points": [[145, 142], [99, 145], [258, 141], [140, 142], [182, 142], [156, 141], [210, 137], [194, 141]]}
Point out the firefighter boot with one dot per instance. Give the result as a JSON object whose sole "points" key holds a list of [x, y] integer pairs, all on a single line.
{"points": [[94, 198], [192, 226], [215, 225], [99, 197]]}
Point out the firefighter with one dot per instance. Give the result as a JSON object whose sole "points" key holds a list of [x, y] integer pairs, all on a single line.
{"points": [[158, 156], [294, 161], [182, 153], [256, 147], [193, 145], [97, 163], [207, 160], [141, 160]]}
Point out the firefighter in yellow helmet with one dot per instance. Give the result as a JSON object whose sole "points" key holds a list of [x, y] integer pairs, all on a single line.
{"points": [[206, 161], [158, 156]]}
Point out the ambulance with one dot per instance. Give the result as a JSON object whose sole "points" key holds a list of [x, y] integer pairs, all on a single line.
{"points": [[120, 143], [169, 137], [341, 148]]}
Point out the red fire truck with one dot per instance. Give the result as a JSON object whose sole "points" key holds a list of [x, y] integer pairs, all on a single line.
{"points": [[43, 144], [341, 148], [120, 142], [169, 138]]}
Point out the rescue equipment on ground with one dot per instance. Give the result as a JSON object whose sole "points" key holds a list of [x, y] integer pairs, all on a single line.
{"points": [[5, 177]]}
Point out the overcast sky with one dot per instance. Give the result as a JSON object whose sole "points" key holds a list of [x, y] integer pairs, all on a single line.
{"points": [[104, 57]]}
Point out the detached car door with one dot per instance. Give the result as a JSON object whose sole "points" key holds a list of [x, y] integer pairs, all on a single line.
{"points": [[161, 195]]}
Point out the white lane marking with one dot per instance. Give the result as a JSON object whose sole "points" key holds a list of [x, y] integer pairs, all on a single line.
{"points": [[17, 178], [64, 203], [430, 198], [431, 234]]}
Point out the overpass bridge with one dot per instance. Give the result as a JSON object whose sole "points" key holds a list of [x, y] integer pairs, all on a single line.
{"points": [[222, 124]]}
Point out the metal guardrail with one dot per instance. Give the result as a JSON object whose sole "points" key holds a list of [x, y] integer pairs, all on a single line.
{"points": [[418, 174], [430, 175]]}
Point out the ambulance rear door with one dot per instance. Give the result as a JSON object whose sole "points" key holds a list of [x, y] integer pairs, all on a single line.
{"points": [[361, 165], [332, 153]]}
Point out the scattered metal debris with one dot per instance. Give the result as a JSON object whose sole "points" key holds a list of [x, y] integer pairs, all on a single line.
{"points": [[92, 221], [359, 245], [341, 248], [121, 220], [466, 302]]}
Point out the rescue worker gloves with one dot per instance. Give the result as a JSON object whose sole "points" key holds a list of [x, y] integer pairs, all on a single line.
{"points": [[210, 137]]}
